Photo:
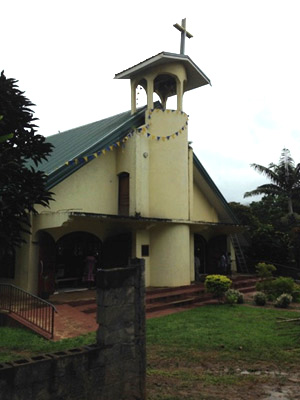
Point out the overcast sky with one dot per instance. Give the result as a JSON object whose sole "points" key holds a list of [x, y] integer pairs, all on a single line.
{"points": [[65, 54]]}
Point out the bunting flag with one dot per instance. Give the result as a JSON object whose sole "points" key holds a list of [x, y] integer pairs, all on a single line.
{"points": [[143, 130]]}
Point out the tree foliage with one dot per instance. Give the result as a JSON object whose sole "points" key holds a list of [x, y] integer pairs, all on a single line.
{"points": [[274, 221], [271, 238], [284, 177], [21, 186]]}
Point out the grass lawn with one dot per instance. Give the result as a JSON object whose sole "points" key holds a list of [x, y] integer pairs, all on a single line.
{"points": [[211, 352], [16, 343], [223, 352]]}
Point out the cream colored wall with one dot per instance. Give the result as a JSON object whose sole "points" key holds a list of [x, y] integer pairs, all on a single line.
{"points": [[202, 209], [94, 187], [170, 255], [90, 189], [142, 237], [142, 160], [168, 165]]}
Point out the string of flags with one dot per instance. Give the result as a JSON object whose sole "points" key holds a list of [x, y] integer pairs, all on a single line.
{"points": [[143, 130]]}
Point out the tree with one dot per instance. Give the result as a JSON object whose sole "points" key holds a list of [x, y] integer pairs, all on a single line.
{"points": [[284, 177], [22, 185], [266, 235]]}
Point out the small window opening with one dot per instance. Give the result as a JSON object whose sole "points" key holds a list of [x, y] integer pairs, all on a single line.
{"points": [[145, 250], [123, 194]]}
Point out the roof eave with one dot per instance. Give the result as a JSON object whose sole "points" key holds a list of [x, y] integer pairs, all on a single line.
{"points": [[197, 77]]}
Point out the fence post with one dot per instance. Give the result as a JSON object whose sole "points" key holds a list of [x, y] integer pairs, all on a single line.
{"points": [[121, 333]]}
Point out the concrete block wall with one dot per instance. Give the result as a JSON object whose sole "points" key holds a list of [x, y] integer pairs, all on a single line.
{"points": [[112, 369]]}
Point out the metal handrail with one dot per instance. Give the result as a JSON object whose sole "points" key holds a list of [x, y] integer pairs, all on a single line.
{"points": [[28, 308]]}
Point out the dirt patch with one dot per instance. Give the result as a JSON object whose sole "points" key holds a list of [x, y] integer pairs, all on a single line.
{"points": [[203, 377]]}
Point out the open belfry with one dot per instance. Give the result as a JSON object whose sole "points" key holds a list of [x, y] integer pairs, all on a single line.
{"points": [[130, 186]]}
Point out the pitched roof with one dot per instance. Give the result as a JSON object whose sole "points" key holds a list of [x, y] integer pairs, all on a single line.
{"points": [[86, 140], [196, 77]]}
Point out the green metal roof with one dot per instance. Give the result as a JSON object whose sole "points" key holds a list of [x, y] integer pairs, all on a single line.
{"points": [[84, 141], [88, 139]]}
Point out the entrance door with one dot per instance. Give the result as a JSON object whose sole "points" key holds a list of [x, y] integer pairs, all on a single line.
{"points": [[71, 253], [117, 251], [217, 246], [200, 256]]}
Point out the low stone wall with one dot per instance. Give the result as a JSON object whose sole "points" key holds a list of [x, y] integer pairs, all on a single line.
{"points": [[113, 369]]}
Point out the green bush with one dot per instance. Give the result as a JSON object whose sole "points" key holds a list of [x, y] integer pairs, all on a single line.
{"points": [[264, 270], [217, 285], [284, 300], [275, 287], [282, 285], [296, 293], [260, 299], [233, 296], [264, 286]]}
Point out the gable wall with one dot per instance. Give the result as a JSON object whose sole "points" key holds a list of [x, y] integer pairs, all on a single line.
{"points": [[94, 187], [202, 209]]}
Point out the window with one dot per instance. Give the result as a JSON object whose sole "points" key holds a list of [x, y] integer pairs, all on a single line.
{"points": [[145, 250], [123, 194]]}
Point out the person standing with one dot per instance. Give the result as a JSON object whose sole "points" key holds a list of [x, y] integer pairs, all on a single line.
{"points": [[89, 270]]}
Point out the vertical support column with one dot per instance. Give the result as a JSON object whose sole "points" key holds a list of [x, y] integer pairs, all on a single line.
{"points": [[133, 96], [179, 95], [149, 93], [121, 333]]}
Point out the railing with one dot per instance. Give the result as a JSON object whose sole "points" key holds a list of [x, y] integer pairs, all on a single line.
{"points": [[32, 311]]}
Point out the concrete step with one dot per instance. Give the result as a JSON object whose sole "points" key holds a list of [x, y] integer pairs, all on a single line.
{"points": [[174, 294]]}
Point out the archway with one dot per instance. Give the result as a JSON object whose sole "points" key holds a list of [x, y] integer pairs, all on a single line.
{"points": [[46, 264], [200, 254], [165, 86], [217, 246], [117, 250], [71, 252]]}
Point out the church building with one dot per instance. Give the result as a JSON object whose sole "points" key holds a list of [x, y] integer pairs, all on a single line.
{"points": [[130, 186]]}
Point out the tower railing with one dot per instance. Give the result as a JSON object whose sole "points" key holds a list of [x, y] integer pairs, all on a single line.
{"points": [[28, 309]]}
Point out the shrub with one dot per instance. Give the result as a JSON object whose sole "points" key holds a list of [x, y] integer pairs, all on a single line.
{"points": [[275, 287], [284, 300], [264, 286], [264, 270], [282, 285], [233, 296], [260, 299], [296, 293], [217, 284]]}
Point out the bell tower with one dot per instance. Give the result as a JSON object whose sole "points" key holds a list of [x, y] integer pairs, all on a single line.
{"points": [[166, 74], [163, 180]]}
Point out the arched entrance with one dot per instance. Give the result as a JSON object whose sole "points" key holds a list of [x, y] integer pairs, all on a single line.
{"points": [[46, 266], [217, 246], [117, 250], [200, 253], [71, 252]]}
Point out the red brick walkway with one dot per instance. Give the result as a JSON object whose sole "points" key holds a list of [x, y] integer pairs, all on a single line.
{"points": [[76, 310], [76, 314]]}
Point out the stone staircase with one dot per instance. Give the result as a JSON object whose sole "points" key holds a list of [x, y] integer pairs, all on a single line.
{"points": [[162, 301], [77, 311]]}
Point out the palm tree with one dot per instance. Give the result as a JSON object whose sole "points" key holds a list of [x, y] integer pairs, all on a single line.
{"points": [[284, 177]]}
